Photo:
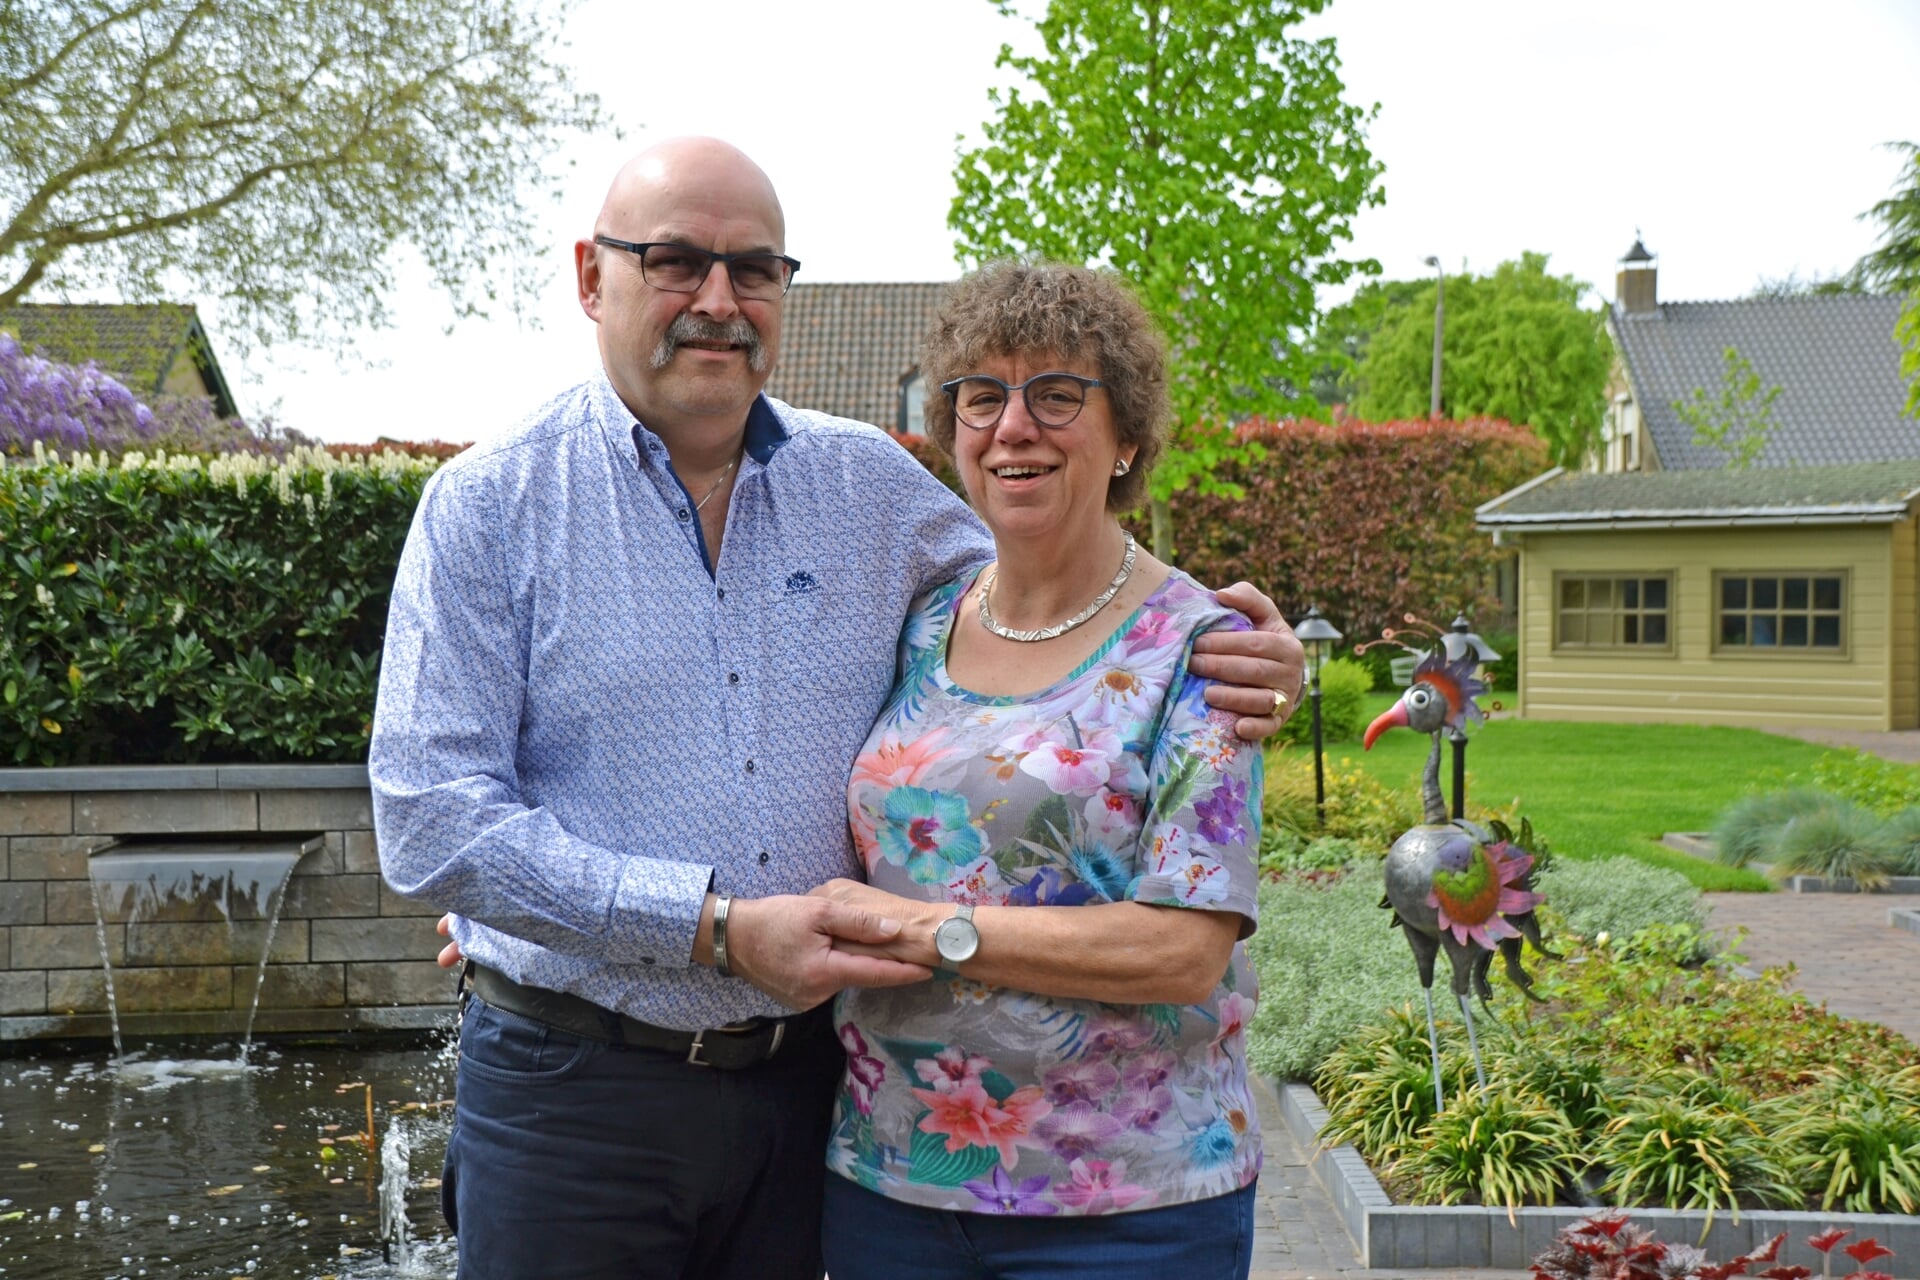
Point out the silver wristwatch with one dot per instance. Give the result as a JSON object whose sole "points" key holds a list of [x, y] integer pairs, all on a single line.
{"points": [[957, 939]]}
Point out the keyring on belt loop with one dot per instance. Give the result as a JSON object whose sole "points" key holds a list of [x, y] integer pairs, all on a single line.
{"points": [[462, 988]]}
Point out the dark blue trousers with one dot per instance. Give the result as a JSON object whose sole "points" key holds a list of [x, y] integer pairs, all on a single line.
{"points": [[576, 1160], [869, 1237]]}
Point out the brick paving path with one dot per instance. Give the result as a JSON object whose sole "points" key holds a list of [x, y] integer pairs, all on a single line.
{"points": [[1845, 952]]}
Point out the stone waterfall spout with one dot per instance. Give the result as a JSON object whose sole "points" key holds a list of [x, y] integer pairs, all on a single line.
{"points": [[171, 911]]}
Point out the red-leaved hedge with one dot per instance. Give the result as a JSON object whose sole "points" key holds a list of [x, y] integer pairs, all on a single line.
{"points": [[438, 449], [1367, 520]]}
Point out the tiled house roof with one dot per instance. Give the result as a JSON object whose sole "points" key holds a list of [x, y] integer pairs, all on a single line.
{"points": [[140, 345], [1833, 357], [846, 349], [1852, 493]]}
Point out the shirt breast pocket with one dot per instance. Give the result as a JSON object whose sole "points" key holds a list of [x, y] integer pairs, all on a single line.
{"points": [[831, 639]]}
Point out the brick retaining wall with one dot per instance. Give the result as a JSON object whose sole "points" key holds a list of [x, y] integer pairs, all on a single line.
{"points": [[348, 952]]}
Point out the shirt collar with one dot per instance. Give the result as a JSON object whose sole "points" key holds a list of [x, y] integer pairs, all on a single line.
{"points": [[765, 432]]}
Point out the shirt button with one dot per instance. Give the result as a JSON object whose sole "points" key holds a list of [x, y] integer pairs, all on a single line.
{"points": [[764, 857], [749, 766], [685, 514], [721, 593], [646, 959], [733, 677]]}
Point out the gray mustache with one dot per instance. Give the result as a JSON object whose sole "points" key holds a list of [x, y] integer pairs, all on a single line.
{"points": [[687, 327]]}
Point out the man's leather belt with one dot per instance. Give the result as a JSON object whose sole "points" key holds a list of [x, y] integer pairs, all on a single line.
{"points": [[726, 1048]]}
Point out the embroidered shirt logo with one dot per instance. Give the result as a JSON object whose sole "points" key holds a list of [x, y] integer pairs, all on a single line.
{"points": [[800, 581]]}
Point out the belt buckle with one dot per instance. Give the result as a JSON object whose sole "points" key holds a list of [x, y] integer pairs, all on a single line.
{"points": [[695, 1059], [693, 1051]]}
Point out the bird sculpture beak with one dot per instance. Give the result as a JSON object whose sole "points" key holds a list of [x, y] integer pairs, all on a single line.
{"points": [[1393, 716]]}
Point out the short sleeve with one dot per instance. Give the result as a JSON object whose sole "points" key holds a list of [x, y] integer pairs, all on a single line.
{"points": [[1201, 838]]}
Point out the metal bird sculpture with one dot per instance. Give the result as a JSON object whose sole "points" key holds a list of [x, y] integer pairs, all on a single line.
{"points": [[1454, 885]]}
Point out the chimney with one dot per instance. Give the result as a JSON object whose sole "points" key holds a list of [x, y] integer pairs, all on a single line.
{"points": [[1635, 287]]}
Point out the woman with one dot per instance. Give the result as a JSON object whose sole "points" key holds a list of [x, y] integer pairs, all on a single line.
{"points": [[1069, 837]]}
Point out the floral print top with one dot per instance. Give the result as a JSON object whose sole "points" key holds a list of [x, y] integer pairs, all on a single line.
{"points": [[1116, 784]]}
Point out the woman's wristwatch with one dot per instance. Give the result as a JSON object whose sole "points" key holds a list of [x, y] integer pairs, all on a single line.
{"points": [[957, 938]]}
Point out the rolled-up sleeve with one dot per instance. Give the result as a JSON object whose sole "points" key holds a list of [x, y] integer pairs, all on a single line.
{"points": [[453, 824]]}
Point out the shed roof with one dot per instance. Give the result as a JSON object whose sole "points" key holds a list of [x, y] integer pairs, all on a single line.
{"points": [[1854, 493], [846, 348], [1834, 358], [137, 343]]}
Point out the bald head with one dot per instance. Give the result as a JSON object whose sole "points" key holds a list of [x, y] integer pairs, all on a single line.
{"points": [[690, 174], [687, 363]]}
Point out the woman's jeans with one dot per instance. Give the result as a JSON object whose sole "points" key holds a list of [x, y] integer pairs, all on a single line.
{"points": [[869, 1237]]}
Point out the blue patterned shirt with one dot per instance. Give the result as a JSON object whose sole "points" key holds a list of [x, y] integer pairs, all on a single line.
{"points": [[583, 727]]}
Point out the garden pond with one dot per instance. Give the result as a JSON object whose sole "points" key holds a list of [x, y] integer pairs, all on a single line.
{"points": [[184, 1160]]}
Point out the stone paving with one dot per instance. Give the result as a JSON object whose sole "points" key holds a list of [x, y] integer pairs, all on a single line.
{"points": [[1298, 1233], [1846, 955], [1844, 951]]}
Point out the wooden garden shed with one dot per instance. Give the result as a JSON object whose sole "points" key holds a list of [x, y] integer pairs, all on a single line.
{"points": [[1763, 596]]}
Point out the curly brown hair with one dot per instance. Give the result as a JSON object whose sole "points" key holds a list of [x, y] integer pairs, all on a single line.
{"points": [[1010, 308]]}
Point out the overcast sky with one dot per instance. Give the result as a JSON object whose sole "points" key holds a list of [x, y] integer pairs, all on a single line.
{"points": [[1741, 137]]}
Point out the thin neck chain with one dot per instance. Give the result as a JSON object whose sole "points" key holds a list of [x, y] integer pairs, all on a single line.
{"points": [[717, 483], [1047, 633]]}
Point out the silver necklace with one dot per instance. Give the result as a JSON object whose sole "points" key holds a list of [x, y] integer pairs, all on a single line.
{"points": [[716, 484], [1048, 633]]}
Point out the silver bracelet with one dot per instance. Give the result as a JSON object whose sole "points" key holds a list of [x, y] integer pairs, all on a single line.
{"points": [[721, 904]]}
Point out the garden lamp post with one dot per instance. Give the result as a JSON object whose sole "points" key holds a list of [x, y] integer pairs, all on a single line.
{"points": [[1319, 636], [1460, 642], [1439, 316]]}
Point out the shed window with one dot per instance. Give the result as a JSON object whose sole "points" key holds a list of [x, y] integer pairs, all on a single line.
{"points": [[1762, 612], [1613, 611]]}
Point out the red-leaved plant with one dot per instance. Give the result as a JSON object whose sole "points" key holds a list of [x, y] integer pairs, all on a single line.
{"points": [[1607, 1246]]}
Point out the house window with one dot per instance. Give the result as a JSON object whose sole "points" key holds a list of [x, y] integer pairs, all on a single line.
{"points": [[1612, 611], [1769, 612], [913, 405]]}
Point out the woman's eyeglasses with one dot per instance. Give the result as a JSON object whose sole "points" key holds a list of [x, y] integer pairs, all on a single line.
{"points": [[1052, 399]]}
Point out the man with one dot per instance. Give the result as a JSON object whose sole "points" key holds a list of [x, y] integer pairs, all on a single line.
{"points": [[633, 649]]}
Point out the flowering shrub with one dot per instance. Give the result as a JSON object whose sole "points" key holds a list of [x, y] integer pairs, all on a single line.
{"points": [[77, 407], [160, 609]]}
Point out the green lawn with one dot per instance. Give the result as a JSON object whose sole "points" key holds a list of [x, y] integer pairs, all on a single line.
{"points": [[1593, 790]]}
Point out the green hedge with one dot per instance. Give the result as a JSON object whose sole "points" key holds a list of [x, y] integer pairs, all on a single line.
{"points": [[163, 609], [173, 610]]}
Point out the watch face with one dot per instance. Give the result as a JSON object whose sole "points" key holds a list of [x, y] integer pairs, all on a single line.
{"points": [[956, 940]]}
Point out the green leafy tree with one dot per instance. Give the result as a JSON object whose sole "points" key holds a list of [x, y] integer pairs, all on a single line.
{"points": [[1341, 338], [1516, 344], [274, 155], [1739, 420], [1894, 264], [1205, 153]]}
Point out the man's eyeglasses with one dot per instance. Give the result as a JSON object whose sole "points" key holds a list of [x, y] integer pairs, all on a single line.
{"points": [[681, 268], [1053, 399]]}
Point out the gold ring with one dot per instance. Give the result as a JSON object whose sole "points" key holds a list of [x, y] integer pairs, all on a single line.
{"points": [[1279, 701]]}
